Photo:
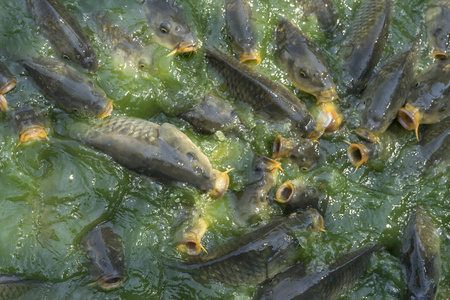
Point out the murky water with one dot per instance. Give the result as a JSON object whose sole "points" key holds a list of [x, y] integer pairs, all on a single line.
{"points": [[52, 192]]}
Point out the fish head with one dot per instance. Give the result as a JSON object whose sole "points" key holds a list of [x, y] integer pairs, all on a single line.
{"points": [[82, 55], [221, 182], [29, 123], [358, 154], [105, 251], [174, 34], [281, 147], [312, 76]]}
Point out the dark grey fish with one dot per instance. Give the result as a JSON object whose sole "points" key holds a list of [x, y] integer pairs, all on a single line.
{"points": [[169, 27], [296, 283], [122, 43], [29, 124], [104, 249], [257, 255], [386, 93], [211, 115], [327, 16], [61, 28], [255, 88], [240, 29], [305, 64], [296, 194], [159, 151], [304, 152], [421, 256], [13, 287], [7, 83], [364, 46], [68, 88], [429, 100], [435, 142], [437, 23], [252, 201]]}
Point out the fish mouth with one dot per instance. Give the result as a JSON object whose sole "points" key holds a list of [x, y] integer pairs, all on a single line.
{"points": [[358, 154], [111, 282], [438, 54], [3, 103], [367, 135], [281, 147], [8, 86], [330, 117], [409, 117], [251, 58], [108, 110], [184, 48], [285, 192], [317, 132], [327, 96], [32, 133], [220, 184], [191, 245], [317, 220], [271, 164]]}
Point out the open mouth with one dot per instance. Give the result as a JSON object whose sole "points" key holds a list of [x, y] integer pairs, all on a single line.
{"points": [[32, 133], [184, 48], [252, 58], [358, 154], [111, 282], [107, 111], [409, 117]]}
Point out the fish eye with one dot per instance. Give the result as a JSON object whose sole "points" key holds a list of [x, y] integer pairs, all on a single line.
{"points": [[230, 37], [142, 63], [304, 73], [443, 107], [417, 84], [75, 110], [164, 27], [65, 56]]}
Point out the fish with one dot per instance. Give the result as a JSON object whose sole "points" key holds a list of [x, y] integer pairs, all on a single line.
{"points": [[240, 30], [30, 124], [359, 153], [64, 32], [252, 201], [325, 12], [297, 283], [305, 64], [296, 194], [169, 27], [190, 232], [435, 142], [262, 93], [104, 249], [386, 93], [7, 82], [257, 255], [159, 151], [304, 152], [69, 88], [13, 287], [429, 100], [329, 116], [122, 43], [421, 257], [437, 23], [364, 45], [212, 114]]}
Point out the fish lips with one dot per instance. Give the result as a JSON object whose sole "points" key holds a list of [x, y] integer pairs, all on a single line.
{"points": [[110, 282]]}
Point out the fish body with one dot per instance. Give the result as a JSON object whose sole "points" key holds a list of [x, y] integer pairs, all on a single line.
{"points": [[7, 82], [240, 29], [296, 194], [429, 100], [104, 249], [252, 201], [29, 123], [306, 66], [421, 258], [296, 283], [168, 26], [122, 43], [13, 287], [304, 152], [160, 151], [211, 115], [248, 85], [386, 93], [64, 32], [363, 48], [437, 23], [326, 13], [435, 141], [69, 88], [257, 255]]}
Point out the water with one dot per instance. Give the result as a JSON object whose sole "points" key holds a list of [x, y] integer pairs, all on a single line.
{"points": [[52, 192]]}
